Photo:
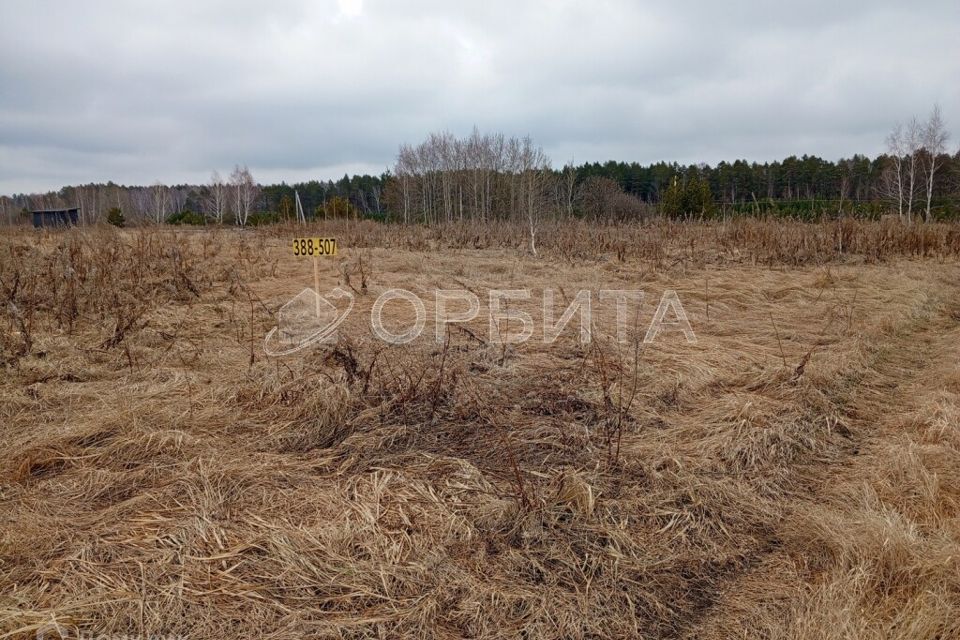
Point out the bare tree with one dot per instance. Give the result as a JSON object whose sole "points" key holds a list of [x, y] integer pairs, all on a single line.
{"points": [[375, 197], [532, 167], [893, 178], [218, 196], [481, 176], [246, 192], [138, 203], [160, 194], [934, 138], [405, 170], [178, 198], [596, 196], [912, 140]]}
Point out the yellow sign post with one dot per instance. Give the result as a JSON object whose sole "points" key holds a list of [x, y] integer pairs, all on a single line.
{"points": [[314, 248]]}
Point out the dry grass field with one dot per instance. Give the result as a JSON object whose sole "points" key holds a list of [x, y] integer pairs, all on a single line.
{"points": [[793, 474]]}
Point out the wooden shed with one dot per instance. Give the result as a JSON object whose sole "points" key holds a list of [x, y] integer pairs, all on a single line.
{"points": [[56, 217]]}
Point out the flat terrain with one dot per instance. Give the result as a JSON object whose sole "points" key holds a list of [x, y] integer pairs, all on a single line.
{"points": [[793, 474]]}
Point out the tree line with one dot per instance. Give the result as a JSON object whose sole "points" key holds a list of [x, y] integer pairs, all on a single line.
{"points": [[235, 199], [491, 176]]}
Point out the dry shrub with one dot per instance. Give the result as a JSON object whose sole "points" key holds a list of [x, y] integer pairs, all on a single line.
{"points": [[661, 241]]}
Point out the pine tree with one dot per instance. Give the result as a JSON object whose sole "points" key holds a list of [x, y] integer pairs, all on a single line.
{"points": [[671, 204], [115, 217]]}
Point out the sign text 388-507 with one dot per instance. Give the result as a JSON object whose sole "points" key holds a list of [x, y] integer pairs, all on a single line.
{"points": [[312, 247]]}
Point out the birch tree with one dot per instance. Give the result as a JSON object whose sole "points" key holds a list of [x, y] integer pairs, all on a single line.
{"points": [[481, 176], [218, 196], [893, 178], [912, 141], [160, 194], [532, 166], [245, 193], [934, 139]]}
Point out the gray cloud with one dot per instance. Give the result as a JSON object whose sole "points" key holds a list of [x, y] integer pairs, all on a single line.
{"points": [[143, 91]]}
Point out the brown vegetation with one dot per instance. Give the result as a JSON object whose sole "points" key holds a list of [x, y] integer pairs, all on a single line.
{"points": [[794, 474]]}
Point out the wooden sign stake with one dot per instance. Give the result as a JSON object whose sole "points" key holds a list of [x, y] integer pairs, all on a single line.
{"points": [[316, 282]]}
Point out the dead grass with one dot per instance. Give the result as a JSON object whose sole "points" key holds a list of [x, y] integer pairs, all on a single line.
{"points": [[791, 475]]}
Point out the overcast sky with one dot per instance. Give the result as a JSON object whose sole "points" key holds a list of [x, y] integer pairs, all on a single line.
{"points": [[137, 92]]}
